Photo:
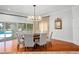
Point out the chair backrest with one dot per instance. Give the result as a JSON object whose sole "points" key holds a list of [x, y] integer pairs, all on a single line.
{"points": [[28, 40], [50, 35], [43, 39], [19, 37]]}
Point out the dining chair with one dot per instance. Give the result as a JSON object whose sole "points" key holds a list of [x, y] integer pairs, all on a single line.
{"points": [[50, 35], [49, 38], [28, 40], [42, 41], [20, 40]]}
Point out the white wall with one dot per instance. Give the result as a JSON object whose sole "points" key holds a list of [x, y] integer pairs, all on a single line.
{"points": [[66, 34], [75, 12]]}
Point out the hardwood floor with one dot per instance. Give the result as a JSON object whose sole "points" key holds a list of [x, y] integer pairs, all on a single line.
{"points": [[53, 45]]}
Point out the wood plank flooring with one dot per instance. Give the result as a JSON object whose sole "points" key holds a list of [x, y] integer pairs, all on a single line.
{"points": [[53, 45]]}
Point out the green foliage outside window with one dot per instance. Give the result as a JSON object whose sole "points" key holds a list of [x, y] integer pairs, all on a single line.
{"points": [[22, 26], [29, 27], [25, 27]]}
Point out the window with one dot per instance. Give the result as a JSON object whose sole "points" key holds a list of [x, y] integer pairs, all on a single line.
{"points": [[29, 27], [21, 27], [1, 27], [9, 30], [2, 31], [6, 31], [25, 27]]}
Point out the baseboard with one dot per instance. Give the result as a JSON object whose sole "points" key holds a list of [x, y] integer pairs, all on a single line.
{"points": [[76, 43], [64, 40], [67, 41]]}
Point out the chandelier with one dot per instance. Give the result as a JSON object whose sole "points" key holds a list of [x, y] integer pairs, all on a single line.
{"points": [[34, 17]]}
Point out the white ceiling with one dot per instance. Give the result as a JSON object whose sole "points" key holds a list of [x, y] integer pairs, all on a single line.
{"points": [[27, 10]]}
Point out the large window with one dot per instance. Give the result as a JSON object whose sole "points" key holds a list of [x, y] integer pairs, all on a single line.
{"points": [[7, 30], [25, 27], [1, 31]]}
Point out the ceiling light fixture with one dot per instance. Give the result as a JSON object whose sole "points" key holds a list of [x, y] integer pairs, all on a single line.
{"points": [[8, 9], [34, 17]]}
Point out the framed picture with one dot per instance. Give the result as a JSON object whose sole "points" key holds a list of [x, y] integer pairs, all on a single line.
{"points": [[58, 23]]}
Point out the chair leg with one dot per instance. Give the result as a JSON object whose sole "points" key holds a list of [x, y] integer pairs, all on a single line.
{"points": [[43, 46], [18, 47], [24, 48]]}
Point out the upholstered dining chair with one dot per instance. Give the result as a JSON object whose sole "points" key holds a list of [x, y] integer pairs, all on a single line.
{"points": [[49, 36], [42, 41], [20, 40], [28, 40]]}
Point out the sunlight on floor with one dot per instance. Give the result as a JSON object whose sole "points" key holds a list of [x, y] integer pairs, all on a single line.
{"points": [[8, 45]]}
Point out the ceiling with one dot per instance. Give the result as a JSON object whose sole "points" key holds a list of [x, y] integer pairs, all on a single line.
{"points": [[27, 10]]}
